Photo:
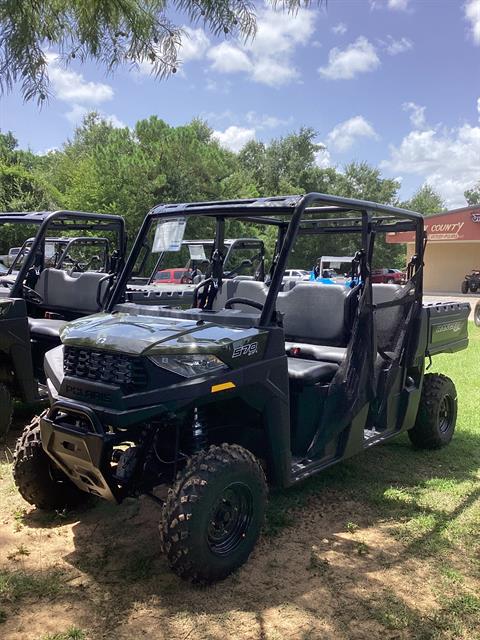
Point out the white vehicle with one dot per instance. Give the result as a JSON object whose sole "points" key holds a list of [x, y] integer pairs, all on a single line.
{"points": [[296, 273], [12, 254]]}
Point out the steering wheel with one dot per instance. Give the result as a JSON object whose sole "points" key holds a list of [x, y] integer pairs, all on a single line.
{"points": [[29, 294], [246, 301]]}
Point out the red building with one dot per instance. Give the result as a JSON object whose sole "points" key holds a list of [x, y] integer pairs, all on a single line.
{"points": [[453, 248]]}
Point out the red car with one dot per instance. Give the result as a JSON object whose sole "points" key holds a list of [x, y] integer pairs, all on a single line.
{"points": [[388, 276], [173, 276]]}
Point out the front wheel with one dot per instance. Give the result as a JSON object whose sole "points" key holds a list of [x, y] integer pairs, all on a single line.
{"points": [[39, 481], [214, 513], [6, 409], [437, 413], [464, 286]]}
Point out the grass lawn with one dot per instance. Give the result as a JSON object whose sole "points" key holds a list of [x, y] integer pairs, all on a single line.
{"points": [[385, 545]]}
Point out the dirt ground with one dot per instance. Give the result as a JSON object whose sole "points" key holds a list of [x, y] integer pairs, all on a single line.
{"points": [[328, 566], [384, 546]]}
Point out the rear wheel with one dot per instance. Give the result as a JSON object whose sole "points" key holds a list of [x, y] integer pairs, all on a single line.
{"points": [[437, 413], [38, 479], [6, 409], [476, 314], [474, 288], [390, 281], [464, 287], [214, 513]]}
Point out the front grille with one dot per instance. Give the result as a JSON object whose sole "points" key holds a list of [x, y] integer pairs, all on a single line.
{"points": [[127, 372]]}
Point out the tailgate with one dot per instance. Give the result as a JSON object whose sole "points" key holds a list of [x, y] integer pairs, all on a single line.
{"points": [[447, 326]]}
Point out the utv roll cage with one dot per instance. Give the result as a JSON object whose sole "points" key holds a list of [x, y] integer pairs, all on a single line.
{"points": [[65, 246], [64, 221], [371, 219]]}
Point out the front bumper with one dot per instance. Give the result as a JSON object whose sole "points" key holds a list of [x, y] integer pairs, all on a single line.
{"points": [[76, 441]]}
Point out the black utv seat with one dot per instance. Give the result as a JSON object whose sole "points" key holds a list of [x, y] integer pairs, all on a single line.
{"points": [[316, 352], [45, 328], [310, 372]]}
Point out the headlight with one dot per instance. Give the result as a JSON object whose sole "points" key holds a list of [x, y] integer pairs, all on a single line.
{"points": [[190, 366]]}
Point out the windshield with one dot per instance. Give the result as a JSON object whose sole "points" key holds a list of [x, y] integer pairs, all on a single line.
{"points": [[242, 257]]}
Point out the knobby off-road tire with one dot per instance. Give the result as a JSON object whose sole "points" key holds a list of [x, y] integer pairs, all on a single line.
{"points": [[464, 287], [38, 480], [6, 410], [476, 314], [437, 413], [214, 513]]}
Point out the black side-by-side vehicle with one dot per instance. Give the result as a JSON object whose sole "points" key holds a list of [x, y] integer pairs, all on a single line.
{"points": [[253, 385], [47, 285]]}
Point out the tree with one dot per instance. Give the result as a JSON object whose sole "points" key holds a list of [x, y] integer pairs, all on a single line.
{"points": [[284, 166], [110, 32], [472, 195], [426, 200]]}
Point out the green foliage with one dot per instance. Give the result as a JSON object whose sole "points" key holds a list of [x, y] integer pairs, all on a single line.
{"points": [[426, 200], [128, 171], [109, 32], [472, 195]]}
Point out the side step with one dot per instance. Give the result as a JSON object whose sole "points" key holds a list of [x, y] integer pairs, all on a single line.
{"points": [[303, 468]]}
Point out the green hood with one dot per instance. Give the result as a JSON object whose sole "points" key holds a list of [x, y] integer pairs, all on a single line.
{"points": [[149, 335]]}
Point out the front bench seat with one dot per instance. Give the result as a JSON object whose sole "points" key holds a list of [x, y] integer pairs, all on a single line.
{"points": [[46, 328], [310, 372]]}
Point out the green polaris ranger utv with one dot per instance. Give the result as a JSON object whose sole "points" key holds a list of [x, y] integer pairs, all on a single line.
{"points": [[56, 276], [255, 385]]}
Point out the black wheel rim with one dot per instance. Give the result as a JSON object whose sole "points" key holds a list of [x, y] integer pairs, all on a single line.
{"points": [[230, 519], [445, 415]]}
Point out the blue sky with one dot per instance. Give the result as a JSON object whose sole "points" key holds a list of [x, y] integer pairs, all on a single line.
{"points": [[392, 82]]}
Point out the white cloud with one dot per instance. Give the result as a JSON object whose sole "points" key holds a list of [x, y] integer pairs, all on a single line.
{"points": [[268, 58], [394, 5], [264, 121], [323, 158], [339, 29], [344, 135], [228, 58], [417, 114], [194, 44], [472, 15], [448, 159], [113, 120], [345, 64], [394, 47], [77, 112], [70, 86], [234, 137]]}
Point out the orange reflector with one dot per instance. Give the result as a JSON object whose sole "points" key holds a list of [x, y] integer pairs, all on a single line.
{"points": [[222, 387]]}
